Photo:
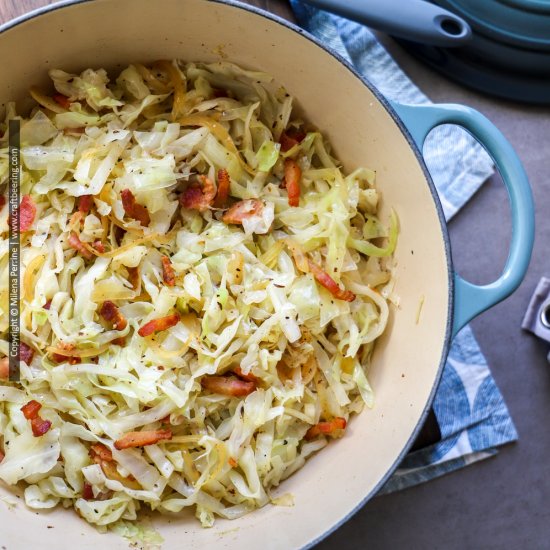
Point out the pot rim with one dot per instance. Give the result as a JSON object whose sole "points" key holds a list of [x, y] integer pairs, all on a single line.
{"points": [[420, 159]]}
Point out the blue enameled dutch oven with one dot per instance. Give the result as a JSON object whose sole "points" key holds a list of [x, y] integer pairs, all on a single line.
{"points": [[365, 130]]}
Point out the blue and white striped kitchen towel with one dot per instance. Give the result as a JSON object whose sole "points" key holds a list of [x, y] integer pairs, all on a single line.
{"points": [[471, 413]]}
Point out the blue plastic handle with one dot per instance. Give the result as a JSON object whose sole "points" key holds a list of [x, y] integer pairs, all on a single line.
{"points": [[471, 300]]}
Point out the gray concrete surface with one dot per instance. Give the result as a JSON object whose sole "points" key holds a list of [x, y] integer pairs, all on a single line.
{"points": [[502, 502]]}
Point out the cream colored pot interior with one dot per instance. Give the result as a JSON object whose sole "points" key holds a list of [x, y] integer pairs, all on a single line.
{"points": [[112, 33]]}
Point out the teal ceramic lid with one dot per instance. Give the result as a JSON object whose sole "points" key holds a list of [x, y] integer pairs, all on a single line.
{"points": [[522, 23]]}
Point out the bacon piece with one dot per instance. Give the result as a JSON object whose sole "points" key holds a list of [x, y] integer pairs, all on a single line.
{"points": [[4, 368], [30, 409], [133, 209], [110, 312], [287, 142], [141, 439], [224, 183], [68, 356], [85, 203], [2, 455], [156, 325], [291, 138], [27, 213], [62, 100], [26, 353], [99, 246], [225, 385], [133, 276], [199, 199], [242, 210], [168, 274], [324, 279], [58, 358], [75, 242], [87, 492], [100, 453], [192, 197], [327, 428], [248, 377], [47, 305], [2, 201], [293, 175], [40, 426]]}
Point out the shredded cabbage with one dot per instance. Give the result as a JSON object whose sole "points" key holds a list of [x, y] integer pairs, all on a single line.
{"points": [[273, 315]]}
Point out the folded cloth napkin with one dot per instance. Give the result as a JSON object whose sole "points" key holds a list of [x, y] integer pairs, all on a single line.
{"points": [[469, 408]]}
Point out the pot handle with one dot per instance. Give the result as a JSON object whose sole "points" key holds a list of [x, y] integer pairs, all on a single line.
{"points": [[415, 20], [469, 299]]}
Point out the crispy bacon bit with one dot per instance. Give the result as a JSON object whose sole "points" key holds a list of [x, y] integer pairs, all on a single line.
{"points": [[141, 439], [228, 385], [75, 242], [199, 199], [133, 209], [224, 183], [168, 274], [191, 197], [4, 368], [2, 201], [47, 305], [102, 455], [232, 462], [156, 325], [287, 142], [324, 279], [293, 175], [30, 409], [99, 246], [26, 353], [242, 210], [99, 453], [27, 213], [248, 377], [60, 357], [291, 138], [87, 492], [110, 312], [62, 100], [133, 276], [327, 428], [40, 426], [85, 203]]}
